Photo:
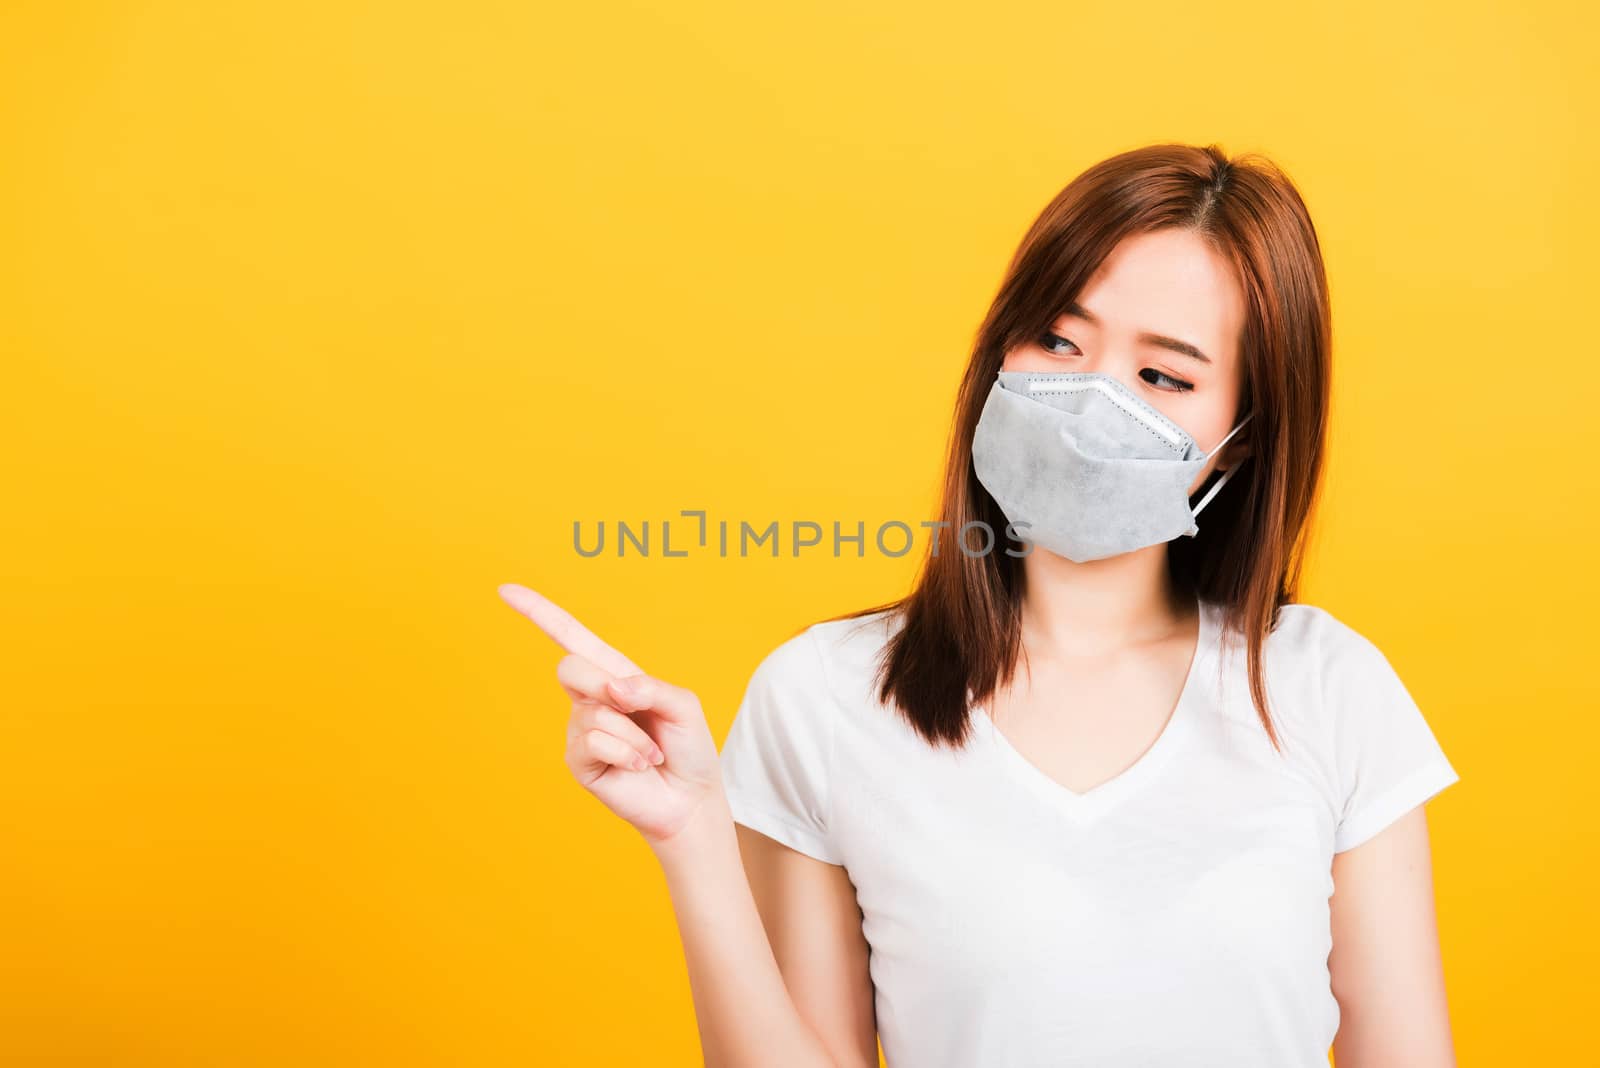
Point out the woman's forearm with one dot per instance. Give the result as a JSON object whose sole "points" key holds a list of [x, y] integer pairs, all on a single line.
{"points": [[745, 1014]]}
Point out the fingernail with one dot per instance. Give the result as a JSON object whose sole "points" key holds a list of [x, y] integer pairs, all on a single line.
{"points": [[657, 756], [625, 688]]}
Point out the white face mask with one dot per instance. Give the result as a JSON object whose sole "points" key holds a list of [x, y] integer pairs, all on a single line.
{"points": [[1084, 467]]}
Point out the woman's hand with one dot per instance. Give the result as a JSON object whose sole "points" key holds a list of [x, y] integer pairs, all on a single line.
{"points": [[741, 1001], [641, 745]]}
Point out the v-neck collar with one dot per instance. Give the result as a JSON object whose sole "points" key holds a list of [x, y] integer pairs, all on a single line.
{"points": [[1086, 806]]}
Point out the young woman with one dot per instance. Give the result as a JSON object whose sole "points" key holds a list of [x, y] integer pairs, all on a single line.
{"points": [[1103, 794]]}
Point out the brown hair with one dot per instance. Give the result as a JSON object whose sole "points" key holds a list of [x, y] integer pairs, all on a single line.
{"points": [[961, 629]]}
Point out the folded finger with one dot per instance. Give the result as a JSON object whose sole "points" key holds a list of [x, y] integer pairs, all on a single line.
{"points": [[639, 693], [608, 719], [594, 748]]}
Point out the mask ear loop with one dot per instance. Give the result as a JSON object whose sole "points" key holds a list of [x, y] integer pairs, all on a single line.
{"points": [[1219, 483]]}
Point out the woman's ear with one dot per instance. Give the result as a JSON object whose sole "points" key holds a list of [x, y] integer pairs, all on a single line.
{"points": [[1233, 453]]}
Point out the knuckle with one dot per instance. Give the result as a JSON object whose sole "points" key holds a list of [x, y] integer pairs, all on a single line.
{"points": [[686, 697], [628, 730], [572, 670], [602, 745]]}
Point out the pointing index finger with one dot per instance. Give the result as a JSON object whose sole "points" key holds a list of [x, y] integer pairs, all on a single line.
{"points": [[566, 631]]}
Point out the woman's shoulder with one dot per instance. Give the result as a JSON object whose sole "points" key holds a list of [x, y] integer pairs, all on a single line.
{"points": [[1333, 686], [779, 757], [800, 699], [1330, 670], [851, 647], [1308, 635], [836, 657]]}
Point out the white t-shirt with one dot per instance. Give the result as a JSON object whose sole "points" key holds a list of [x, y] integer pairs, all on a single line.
{"points": [[1176, 914]]}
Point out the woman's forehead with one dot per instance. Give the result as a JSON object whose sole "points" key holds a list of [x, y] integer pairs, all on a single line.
{"points": [[1167, 284]]}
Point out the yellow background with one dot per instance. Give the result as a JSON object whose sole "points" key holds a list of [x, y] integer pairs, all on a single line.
{"points": [[320, 320]]}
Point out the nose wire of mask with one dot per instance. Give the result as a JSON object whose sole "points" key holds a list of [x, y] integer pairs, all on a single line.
{"points": [[1219, 483], [1087, 467]]}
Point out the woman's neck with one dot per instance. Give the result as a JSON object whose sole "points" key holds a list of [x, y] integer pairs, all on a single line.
{"points": [[1101, 606]]}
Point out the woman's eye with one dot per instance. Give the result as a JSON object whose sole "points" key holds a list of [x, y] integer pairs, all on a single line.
{"points": [[1048, 341], [1155, 378]]}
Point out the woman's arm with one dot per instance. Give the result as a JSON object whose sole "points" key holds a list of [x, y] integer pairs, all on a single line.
{"points": [[772, 938], [814, 925], [1385, 964]]}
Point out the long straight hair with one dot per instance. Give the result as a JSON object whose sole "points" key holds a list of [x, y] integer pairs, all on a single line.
{"points": [[960, 633]]}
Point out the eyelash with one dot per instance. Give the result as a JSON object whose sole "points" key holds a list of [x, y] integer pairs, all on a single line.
{"points": [[1178, 384]]}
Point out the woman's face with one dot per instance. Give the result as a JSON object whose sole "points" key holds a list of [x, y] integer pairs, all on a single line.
{"points": [[1163, 315]]}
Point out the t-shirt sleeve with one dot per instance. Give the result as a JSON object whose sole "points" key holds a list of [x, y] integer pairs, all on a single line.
{"points": [[1387, 758], [778, 753]]}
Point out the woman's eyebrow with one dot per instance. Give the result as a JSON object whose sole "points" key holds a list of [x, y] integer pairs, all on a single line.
{"points": [[1182, 348]]}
